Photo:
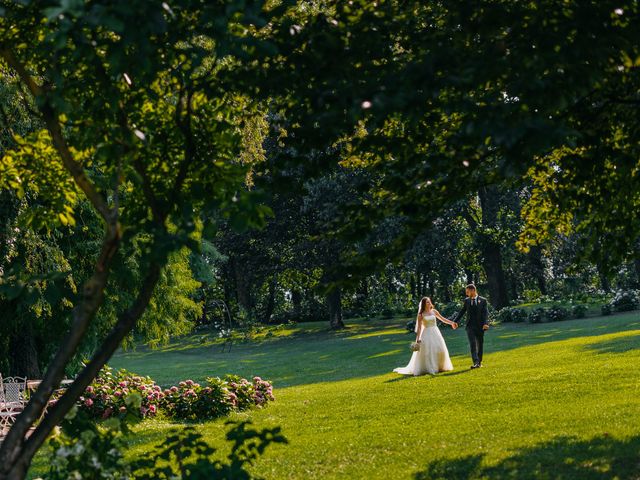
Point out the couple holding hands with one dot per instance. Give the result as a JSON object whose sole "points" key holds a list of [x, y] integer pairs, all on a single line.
{"points": [[430, 351]]}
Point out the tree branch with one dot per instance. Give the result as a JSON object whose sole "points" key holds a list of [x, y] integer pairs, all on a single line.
{"points": [[92, 298], [93, 290], [190, 148], [55, 415], [53, 126]]}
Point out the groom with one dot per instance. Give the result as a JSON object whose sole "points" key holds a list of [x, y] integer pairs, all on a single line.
{"points": [[477, 311]]}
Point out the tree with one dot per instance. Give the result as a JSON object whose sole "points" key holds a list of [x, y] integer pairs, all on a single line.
{"points": [[141, 122]]}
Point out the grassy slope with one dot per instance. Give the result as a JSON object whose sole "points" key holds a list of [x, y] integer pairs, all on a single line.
{"points": [[554, 401]]}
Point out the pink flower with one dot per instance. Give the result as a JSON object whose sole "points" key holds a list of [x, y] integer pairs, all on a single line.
{"points": [[88, 402], [117, 393], [152, 409], [167, 391], [157, 388], [89, 389], [182, 384], [107, 413], [122, 384], [189, 382], [123, 409], [174, 389], [257, 379]]}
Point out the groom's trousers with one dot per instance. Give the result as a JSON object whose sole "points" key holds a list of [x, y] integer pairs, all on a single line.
{"points": [[476, 340]]}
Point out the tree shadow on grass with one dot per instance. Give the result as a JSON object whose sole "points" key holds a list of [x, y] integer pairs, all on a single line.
{"points": [[616, 345], [563, 458]]}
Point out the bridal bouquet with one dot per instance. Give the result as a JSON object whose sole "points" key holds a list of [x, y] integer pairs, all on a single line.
{"points": [[414, 347]]}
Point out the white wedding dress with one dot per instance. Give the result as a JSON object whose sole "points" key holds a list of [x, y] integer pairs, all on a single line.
{"points": [[433, 356]]}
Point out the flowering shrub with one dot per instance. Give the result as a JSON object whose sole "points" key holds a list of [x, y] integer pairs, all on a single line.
{"points": [[624, 301], [557, 313], [192, 401], [123, 393], [579, 311], [112, 394], [513, 314], [537, 315]]}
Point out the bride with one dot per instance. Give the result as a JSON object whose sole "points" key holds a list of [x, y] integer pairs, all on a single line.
{"points": [[432, 356]]}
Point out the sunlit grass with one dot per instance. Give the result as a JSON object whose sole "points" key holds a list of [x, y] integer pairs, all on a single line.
{"points": [[558, 400]]}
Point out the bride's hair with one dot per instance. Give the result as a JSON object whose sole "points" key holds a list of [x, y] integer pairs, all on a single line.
{"points": [[423, 305]]}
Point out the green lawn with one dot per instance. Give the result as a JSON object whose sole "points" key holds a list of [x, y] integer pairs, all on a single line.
{"points": [[558, 400]]}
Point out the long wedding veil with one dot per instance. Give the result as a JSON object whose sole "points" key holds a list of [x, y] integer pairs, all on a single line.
{"points": [[418, 317]]}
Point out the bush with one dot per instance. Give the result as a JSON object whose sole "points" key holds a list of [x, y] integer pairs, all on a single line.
{"points": [[387, 312], [111, 394], [537, 315], [450, 309], [511, 315], [557, 313], [191, 401], [123, 393], [624, 301], [84, 449], [531, 295], [579, 311], [606, 309]]}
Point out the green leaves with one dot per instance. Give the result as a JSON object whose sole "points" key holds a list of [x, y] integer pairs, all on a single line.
{"points": [[33, 169]]}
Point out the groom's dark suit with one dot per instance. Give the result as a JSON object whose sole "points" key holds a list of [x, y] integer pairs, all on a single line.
{"points": [[477, 310]]}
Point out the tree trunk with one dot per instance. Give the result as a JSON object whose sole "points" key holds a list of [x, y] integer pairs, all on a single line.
{"points": [[243, 293], [446, 293], [21, 459], [537, 267], [271, 300], [605, 284], [469, 275], [495, 275], [334, 302], [228, 292], [23, 354], [413, 287], [296, 299], [492, 257]]}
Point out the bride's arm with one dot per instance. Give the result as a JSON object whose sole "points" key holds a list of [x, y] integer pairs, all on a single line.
{"points": [[441, 318], [419, 329]]}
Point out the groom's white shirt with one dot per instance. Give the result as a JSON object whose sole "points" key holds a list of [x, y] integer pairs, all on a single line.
{"points": [[474, 300]]}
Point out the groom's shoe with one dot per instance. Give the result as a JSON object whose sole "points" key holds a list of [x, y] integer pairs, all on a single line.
{"points": [[475, 365]]}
